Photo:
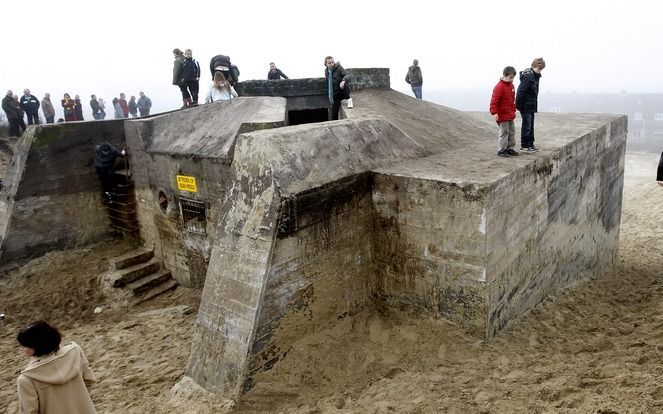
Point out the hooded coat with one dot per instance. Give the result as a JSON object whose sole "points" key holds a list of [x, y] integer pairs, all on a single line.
{"points": [[55, 383], [528, 91]]}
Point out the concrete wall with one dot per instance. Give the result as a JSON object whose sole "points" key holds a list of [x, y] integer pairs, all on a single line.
{"points": [[430, 247], [321, 268], [559, 224], [197, 142], [53, 170]]}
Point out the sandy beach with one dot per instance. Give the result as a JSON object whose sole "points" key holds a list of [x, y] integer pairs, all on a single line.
{"points": [[596, 348]]}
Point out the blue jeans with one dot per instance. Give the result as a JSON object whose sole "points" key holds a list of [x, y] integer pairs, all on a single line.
{"points": [[416, 90], [527, 130]]}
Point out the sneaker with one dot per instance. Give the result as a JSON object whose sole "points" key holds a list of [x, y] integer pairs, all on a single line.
{"points": [[533, 149], [350, 104], [512, 152], [524, 149], [503, 154]]}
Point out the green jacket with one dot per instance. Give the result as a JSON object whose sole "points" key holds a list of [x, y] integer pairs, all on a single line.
{"points": [[177, 69]]}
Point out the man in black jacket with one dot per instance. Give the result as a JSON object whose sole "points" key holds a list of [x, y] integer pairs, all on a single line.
{"points": [[12, 113], [104, 162], [337, 85], [30, 104], [274, 73], [190, 78], [527, 103]]}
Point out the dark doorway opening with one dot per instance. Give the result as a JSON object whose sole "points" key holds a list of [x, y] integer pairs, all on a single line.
{"points": [[307, 116]]}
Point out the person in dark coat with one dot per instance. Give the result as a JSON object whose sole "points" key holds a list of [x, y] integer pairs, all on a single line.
{"points": [[78, 108], [274, 73], [12, 114], [30, 104], [190, 79], [337, 85], [659, 172], [527, 103], [415, 79], [104, 162], [222, 64], [21, 124], [177, 74], [96, 108], [133, 107]]}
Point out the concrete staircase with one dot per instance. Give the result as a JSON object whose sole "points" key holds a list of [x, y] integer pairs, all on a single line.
{"points": [[140, 276]]}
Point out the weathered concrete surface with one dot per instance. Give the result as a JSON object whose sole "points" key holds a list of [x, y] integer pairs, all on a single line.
{"points": [[404, 204], [51, 196], [199, 143]]}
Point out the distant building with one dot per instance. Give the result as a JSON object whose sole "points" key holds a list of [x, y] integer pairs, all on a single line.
{"points": [[644, 110]]}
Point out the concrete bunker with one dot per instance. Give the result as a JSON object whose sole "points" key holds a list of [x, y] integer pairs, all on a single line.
{"points": [[400, 204]]}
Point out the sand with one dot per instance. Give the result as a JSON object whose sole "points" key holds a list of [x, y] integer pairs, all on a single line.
{"points": [[596, 348]]}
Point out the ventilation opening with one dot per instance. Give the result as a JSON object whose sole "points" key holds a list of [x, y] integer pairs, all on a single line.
{"points": [[307, 116], [194, 216]]}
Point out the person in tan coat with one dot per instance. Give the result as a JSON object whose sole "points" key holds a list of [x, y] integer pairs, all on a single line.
{"points": [[54, 382]]}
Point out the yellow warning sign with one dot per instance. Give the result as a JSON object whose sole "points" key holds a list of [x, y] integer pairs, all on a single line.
{"points": [[186, 183]]}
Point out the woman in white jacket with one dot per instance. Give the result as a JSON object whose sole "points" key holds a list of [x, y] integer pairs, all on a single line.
{"points": [[220, 90]]}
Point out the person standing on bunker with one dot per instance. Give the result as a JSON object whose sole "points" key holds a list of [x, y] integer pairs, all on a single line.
{"points": [[415, 79], [190, 79], [177, 74], [527, 103], [503, 108], [337, 85], [659, 172]]}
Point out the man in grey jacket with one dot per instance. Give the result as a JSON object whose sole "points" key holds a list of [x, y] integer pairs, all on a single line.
{"points": [[144, 104], [415, 79], [47, 108]]}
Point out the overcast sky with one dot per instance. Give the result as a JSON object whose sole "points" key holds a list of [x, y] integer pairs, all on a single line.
{"points": [[85, 47]]}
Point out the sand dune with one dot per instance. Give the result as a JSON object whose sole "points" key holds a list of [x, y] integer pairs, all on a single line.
{"points": [[597, 348]]}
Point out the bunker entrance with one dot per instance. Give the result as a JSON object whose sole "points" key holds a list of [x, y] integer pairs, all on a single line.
{"points": [[307, 116]]}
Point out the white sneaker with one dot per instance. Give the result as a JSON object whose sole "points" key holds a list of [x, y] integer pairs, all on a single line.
{"points": [[350, 105]]}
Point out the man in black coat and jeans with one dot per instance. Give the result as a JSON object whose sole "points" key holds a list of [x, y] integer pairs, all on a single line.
{"points": [[30, 104], [527, 103]]}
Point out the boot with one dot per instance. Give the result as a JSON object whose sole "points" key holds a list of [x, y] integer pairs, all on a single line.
{"points": [[186, 103]]}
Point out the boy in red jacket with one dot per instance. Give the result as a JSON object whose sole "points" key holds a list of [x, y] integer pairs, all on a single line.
{"points": [[503, 108]]}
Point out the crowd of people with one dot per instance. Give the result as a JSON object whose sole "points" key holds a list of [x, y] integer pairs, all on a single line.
{"points": [[225, 75], [28, 105]]}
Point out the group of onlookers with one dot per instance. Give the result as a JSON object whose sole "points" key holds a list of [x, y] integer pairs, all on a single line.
{"points": [[186, 76], [28, 106]]}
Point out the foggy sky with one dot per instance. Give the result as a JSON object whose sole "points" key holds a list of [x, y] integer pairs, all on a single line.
{"points": [[85, 48]]}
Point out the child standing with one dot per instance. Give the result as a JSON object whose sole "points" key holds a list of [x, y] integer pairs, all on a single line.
{"points": [[527, 103], [503, 108]]}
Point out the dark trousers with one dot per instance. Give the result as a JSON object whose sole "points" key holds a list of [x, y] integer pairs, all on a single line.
{"points": [[192, 92], [33, 118], [107, 178], [338, 97], [527, 130], [14, 130]]}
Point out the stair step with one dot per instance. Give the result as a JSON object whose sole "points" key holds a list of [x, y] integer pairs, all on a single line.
{"points": [[149, 281], [134, 257], [131, 273], [155, 291]]}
